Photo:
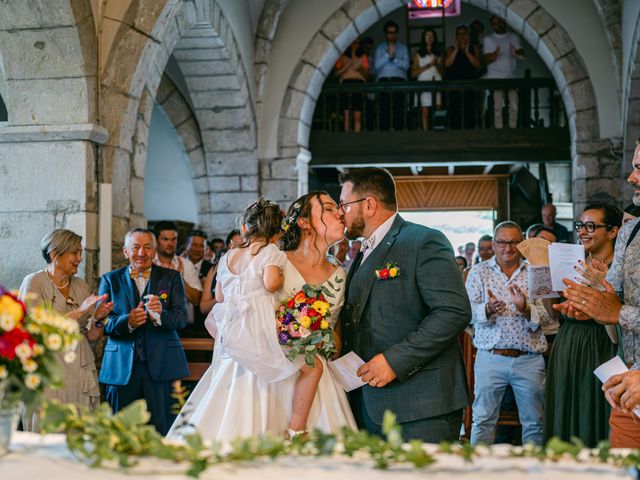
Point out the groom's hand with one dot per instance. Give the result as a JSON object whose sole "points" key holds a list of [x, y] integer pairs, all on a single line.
{"points": [[376, 372]]}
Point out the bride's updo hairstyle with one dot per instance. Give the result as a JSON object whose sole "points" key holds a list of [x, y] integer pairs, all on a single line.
{"points": [[260, 222], [301, 208]]}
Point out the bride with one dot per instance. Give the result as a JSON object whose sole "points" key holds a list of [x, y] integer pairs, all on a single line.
{"points": [[233, 400]]}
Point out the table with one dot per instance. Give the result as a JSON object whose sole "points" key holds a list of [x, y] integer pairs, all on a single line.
{"points": [[36, 456]]}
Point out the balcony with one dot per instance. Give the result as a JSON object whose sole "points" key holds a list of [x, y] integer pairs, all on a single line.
{"points": [[461, 133]]}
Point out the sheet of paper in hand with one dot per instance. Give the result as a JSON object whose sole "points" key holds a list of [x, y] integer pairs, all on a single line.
{"points": [[563, 258], [539, 281], [344, 371], [610, 368]]}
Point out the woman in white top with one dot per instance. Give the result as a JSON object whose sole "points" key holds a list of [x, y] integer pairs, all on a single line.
{"points": [[427, 67]]}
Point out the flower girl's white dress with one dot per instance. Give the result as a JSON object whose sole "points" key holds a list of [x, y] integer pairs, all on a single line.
{"points": [[248, 390]]}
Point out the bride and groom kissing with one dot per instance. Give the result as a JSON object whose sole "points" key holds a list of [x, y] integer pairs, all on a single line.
{"points": [[403, 324]]}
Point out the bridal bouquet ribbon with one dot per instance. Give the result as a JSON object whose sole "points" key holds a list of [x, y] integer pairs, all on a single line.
{"points": [[389, 271], [303, 324]]}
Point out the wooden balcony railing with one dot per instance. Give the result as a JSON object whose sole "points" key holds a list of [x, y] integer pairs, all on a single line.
{"points": [[465, 104]]}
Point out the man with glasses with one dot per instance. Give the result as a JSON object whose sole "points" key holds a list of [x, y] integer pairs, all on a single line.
{"points": [[509, 339], [404, 324], [391, 63]]}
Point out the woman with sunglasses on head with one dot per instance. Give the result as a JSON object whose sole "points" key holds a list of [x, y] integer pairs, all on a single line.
{"points": [[57, 285], [574, 403]]}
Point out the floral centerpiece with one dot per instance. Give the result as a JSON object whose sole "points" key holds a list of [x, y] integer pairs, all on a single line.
{"points": [[303, 324], [31, 336]]}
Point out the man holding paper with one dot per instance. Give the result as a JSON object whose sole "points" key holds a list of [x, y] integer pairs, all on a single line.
{"points": [[404, 308], [509, 339]]}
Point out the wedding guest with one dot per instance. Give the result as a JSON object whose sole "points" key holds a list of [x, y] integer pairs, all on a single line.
{"points": [[143, 354], [574, 404], [352, 68], [485, 248], [217, 245], [548, 214], [469, 252], [462, 62], [501, 50], [167, 240], [427, 67], [542, 231], [234, 239], [339, 251], [508, 337], [59, 286], [196, 241], [618, 304], [391, 65], [462, 263], [631, 212]]}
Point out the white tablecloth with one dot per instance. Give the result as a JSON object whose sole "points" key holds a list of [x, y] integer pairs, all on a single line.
{"points": [[35, 457]]}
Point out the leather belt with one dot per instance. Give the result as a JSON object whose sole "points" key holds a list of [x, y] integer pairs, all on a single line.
{"points": [[508, 352]]}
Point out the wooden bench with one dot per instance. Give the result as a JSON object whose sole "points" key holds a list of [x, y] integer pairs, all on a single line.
{"points": [[197, 369]]}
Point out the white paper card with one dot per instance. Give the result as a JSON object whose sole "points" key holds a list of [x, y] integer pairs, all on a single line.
{"points": [[610, 368], [563, 257], [613, 367], [344, 371], [539, 281]]}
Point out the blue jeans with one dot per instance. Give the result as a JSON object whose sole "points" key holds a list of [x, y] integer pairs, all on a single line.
{"points": [[493, 373]]}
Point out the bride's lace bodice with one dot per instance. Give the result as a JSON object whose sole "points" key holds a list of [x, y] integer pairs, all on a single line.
{"points": [[293, 282]]}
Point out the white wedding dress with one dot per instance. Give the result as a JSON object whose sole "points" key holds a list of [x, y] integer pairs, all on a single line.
{"points": [[249, 388]]}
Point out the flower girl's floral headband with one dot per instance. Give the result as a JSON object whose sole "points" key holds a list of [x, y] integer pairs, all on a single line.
{"points": [[291, 219]]}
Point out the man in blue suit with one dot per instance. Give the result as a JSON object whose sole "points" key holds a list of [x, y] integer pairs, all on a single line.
{"points": [[404, 308], [143, 355]]}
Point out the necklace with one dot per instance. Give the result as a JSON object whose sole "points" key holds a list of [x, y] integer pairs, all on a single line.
{"points": [[59, 287]]}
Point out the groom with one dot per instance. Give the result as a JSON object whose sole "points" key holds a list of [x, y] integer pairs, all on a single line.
{"points": [[403, 322]]}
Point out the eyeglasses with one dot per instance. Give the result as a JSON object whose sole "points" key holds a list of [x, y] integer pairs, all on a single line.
{"points": [[391, 32], [590, 226], [504, 243], [346, 206]]}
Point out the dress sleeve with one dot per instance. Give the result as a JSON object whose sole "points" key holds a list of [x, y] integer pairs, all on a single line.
{"points": [[273, 256]]}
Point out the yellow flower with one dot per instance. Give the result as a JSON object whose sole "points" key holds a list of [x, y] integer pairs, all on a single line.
{"points": [[33, 328], [23, 351], [4, 373], [32, 381], [321, 307], [11, 307], [393, 271], [53, 342], [29, 365], [324, 324], [38, 350], [305, 321]]}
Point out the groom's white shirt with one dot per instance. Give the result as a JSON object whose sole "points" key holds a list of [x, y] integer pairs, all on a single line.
{"points": [[376, 237]]}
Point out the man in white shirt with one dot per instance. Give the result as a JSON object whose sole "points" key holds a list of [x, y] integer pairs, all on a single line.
{"points": [[167, 236], [501, 49]]}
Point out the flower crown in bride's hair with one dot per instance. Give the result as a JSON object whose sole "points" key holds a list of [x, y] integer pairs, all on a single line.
{"points": [[291, 219]]}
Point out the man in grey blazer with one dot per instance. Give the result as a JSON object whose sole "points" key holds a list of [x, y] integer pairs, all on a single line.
{"points": [[405, 306]]}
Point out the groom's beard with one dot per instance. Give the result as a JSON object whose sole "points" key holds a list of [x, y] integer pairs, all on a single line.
{"points": [[356, 228]]}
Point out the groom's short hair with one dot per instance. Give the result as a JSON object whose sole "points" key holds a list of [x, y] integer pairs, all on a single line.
{"points": [[373, 182]]}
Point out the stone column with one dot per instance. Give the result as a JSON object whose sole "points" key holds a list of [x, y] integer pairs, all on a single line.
{"points": [[47, 181]]}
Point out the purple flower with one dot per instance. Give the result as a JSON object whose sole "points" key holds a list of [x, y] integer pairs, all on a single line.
{"points": [[283, 338], [287, 319]]}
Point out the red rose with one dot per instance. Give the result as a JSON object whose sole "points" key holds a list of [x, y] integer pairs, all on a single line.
{"points": [[315, 325], [311, 300], [384, 273], [291, 304], [312, 312]]}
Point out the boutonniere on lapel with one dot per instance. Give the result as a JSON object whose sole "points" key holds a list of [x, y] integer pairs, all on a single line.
{"points": [[391, 270], [163, 295]]}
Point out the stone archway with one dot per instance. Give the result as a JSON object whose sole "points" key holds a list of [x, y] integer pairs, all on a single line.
{"points": [[200, 38], [595, 171]]}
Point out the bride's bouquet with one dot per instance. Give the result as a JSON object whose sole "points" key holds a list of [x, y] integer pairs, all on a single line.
{"points": [[303, 324]]}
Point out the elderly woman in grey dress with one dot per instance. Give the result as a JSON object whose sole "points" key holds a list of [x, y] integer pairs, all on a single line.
{"points": [[58, 286]]}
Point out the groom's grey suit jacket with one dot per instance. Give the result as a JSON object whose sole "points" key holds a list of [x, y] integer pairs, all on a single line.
{"points": [[413, 319]]}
